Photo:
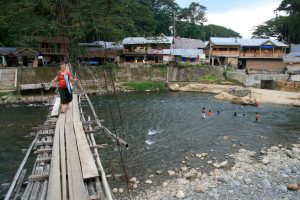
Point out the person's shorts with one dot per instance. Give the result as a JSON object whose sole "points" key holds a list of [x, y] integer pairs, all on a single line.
{"points": [[65, 96]]}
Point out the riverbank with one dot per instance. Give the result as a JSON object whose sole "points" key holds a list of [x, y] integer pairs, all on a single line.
{"points": [[269, 174], [242, 95]]}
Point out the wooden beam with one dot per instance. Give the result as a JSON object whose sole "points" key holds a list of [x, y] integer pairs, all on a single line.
{"points": [[43, 151], [55, 109], [76, 187], [63, 166], [17, 175], [89, 169], [54, 186], [76, 113], [39, 177]]}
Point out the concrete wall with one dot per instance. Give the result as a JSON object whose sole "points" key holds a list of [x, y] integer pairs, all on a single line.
{"points": [[193, 73], [295, 78], [265, 65], [121, 73], [254, 80]]}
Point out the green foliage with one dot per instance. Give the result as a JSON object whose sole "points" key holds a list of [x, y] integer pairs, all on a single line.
{"points": [[283, 27], [189, 65], [276, 27], [145, 85], [195, 13], [195, 31], [110, 20], [209, 78]]}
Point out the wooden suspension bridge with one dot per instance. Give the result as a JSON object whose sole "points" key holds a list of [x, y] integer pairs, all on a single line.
{"points": [[67, 166]]}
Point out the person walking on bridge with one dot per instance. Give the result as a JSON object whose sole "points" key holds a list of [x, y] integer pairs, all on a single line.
{"points": [[63, 76]]}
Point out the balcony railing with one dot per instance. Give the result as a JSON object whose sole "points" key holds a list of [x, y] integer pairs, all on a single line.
{"points": [[249, 54], [135, 51]]}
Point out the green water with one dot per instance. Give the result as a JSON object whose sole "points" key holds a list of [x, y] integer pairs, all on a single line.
{"points": [[16, 122], [162, 128]]}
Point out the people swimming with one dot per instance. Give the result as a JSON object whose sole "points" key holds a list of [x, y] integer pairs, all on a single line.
{"points": [[210, 113], [235, 114], [257, 117], [203, 113]]}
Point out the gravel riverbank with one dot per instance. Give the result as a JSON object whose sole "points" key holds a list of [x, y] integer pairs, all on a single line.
{"points": [[268, 174]]}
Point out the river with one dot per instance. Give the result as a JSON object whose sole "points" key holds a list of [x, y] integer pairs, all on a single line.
{"points": [[162, 128]]}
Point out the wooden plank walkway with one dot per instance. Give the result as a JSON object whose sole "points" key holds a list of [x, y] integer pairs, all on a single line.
{"points": [[65, 166]]}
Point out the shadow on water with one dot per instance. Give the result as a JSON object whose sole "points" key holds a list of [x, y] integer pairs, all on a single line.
{"points": [[16, 122], [164, 128]]}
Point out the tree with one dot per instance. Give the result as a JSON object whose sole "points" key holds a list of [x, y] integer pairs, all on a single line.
{"points": [[283, 27], [195, 13], [195, 31]]}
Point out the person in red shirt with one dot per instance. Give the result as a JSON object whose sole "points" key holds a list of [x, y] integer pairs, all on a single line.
{"points": [[210, 113], [65, 93]]}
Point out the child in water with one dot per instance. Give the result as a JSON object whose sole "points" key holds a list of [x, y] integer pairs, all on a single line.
{"points": [[256, 117], [203, 113], [210, 113]]}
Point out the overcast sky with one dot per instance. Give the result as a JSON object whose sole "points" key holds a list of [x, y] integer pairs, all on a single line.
{"points": [[239, 15]]}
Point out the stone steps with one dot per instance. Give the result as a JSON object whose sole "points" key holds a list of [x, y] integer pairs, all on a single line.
{"points": [[7, 79]]}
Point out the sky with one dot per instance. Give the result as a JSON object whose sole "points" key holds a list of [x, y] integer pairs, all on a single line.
{"points": [[239, 15]]}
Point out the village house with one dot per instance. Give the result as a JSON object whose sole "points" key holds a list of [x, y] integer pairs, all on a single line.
{"points": [[52, 49], [188, 50], [28, 57], [99, 52], [292, 60], [253, 55], [152, 49], [7, 57]]}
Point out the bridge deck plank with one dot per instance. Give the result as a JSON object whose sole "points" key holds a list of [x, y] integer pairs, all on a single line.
{"points": [[54, 187], [89, 169], [55, 109], [75, 180], [63, 161]]}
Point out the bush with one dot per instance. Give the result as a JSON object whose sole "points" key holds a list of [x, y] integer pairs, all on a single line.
{"points": [[145, 85], [188, 65], [210, 78]]}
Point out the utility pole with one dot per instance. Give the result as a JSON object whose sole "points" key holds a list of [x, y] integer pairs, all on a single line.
{"points": [[174, 23]]}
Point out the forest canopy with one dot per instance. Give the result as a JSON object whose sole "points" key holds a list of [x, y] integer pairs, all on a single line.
{"points": [[284, 27], [110, 20]]}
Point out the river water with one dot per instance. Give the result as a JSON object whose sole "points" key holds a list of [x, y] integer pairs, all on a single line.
{"points": [[16, 122], [161, 128]]}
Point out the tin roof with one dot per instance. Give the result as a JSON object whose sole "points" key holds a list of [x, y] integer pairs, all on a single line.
{"points": [[189, 53], [245, 42], [149, 40], [225, 41], [295, 47], [102, 44], [7, 50], [27, 51], [187, 43]]}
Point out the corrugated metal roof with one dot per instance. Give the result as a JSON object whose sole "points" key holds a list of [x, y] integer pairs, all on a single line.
{"points": [[150, 40], [187, 43], [295, 48], [225, 41], [291, 59], [189, 53], [294, 54], [206, 43], [7, 50], [102, 44], [244, 42]]}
